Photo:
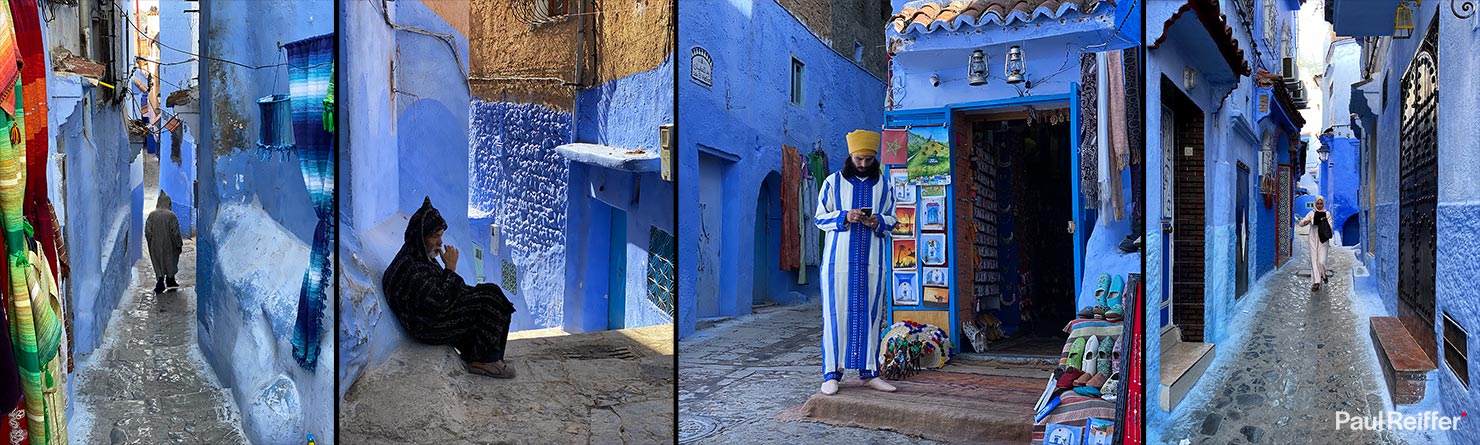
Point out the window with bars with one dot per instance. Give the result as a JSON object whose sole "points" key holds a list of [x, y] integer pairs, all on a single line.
{"points": [[661, 279], [1456, 352]]}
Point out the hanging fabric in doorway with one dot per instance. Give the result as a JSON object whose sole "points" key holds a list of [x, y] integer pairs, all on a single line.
{"points": [[31, 40], [310, 67], [1133, 99], [1089, 130], [812, 236], [791, 234], [810, 250], [1119, 142], [929, 156], [24, 317]]}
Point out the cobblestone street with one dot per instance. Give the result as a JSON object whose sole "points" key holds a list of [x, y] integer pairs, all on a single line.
{"points": [[1298, 361], [736, 375], [606, 387], [148, 382]]}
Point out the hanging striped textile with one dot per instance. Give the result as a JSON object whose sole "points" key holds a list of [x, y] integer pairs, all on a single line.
{"points": [[310, 70], [10, 56], [32, 41], [23, 320]]}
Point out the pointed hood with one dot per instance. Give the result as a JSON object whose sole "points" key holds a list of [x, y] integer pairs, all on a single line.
{"points": [[425, 222]]}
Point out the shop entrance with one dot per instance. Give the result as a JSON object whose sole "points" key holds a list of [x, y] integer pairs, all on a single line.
{"points": [[1021, 256]]}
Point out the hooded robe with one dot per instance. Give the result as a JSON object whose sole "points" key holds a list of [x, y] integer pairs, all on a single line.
{"points": [[435, 305], [162, 232]]}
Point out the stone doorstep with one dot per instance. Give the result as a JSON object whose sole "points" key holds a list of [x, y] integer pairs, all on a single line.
{"points": [[1181, 367], [1404, 364]]}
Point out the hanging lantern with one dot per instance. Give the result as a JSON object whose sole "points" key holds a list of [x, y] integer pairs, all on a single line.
{"points": [[276, 135], [1403, 22], [977, 74], [1016, 72]]}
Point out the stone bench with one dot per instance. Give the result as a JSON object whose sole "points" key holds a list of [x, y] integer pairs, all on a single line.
{"points": [[1404, 364]]}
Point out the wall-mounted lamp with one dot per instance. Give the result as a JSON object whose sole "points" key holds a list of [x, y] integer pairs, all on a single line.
{"points": [[1324, 152], [1403, 21], [1189, 78], [976, 73], [1016, 71]]}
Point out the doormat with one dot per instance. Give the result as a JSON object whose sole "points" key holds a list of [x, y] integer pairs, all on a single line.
{"points": [[962, 403]]}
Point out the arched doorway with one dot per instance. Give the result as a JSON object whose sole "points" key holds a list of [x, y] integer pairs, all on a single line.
{"points": [[767, 241]]}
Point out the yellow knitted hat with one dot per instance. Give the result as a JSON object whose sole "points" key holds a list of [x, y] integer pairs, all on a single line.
{"points": [[863, 143]]}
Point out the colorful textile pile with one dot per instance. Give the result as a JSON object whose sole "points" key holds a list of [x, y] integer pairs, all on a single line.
{"points": [[310, 71], [910, 347]]}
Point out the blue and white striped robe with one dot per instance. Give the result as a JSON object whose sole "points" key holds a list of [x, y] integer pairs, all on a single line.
{"points": [[854, 271]]}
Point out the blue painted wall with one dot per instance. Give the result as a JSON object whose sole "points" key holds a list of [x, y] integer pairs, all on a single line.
{"points": [[177, 179], [740, 123], [520, 183], [626, 113], [250, 207], [1045, 49], [100, 200], [1459, 197]]}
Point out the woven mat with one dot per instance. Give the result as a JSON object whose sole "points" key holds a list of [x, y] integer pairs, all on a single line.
{"points": [[983, 404]]}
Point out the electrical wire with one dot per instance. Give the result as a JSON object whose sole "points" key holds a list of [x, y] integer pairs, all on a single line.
{"points": [[131, 23]]}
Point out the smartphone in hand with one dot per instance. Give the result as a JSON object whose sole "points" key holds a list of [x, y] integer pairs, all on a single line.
{"points": [[867, 211]]}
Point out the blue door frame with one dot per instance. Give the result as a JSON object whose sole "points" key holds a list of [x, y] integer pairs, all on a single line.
{"points": [[903, 119]]}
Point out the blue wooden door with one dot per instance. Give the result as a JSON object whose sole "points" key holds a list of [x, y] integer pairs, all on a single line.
{"points": [[616, 297]]}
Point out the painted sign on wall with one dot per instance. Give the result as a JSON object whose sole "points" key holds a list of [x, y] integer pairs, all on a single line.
{"points": [[702, 67]]}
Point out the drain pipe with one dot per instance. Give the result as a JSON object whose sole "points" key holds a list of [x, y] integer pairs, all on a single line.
{"points": [[579, 82]]}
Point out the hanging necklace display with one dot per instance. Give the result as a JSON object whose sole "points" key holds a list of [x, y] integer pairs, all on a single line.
{"points": [[275, 133]]}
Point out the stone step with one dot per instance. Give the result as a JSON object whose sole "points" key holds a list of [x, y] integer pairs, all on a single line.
{"points": [[1404, 364], [1181, 367], [1170, 338]]}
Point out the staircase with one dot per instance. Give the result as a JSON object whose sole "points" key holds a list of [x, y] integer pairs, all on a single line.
{"points": [[1182, 364], [1404, 364]]}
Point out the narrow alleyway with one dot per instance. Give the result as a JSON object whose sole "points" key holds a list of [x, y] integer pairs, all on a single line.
{"points": [[148, 382], [1294, 361], [735, 376]]}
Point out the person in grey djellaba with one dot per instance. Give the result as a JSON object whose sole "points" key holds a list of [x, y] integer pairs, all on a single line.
{"points": [[162, 232]]}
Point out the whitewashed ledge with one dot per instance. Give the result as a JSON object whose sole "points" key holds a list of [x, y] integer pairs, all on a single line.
{"points": [[611, 157]]}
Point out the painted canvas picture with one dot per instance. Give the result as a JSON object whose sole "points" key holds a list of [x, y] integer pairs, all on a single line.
{"points": [[904, 254], [932, 190], [904, 289], [937, 296], [904, 227], [904, 192], [934, 248], [1057, 434], [930, 156], [1098, 431], [934, 276], [933, 214]]}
